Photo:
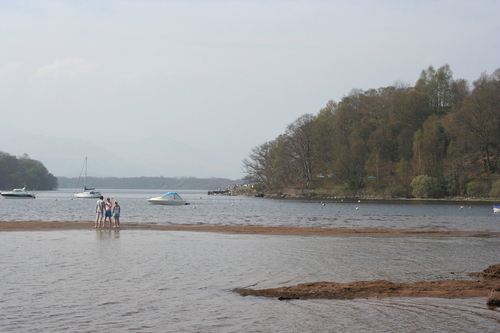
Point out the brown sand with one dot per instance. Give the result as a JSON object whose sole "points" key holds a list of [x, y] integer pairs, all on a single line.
{"points": [[481, 286], [261, 230]]}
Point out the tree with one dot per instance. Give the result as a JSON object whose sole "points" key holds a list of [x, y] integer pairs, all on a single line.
{"points": [[24, 171], [325, 138], [256, 166], [350, 165], [438, 128], [426, 187], [478, 188], [437, 85], [495, 189], [477, 118], [429, 147], [301, 136]]}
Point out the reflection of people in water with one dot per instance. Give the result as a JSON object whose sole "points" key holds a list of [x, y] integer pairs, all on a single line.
{"points": [[107, 212], [116, 214], [107, 234]]}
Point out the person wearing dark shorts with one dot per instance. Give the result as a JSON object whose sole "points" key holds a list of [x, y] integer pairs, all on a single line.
{"points": [[107, 212]]}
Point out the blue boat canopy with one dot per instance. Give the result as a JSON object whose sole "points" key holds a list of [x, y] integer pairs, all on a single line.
{"points": [[172, 196]]}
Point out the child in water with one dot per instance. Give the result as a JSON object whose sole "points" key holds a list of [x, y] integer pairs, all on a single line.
{"points": [[116, 214]]}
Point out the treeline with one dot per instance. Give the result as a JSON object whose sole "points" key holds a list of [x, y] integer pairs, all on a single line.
{"points": [[174, 183], [440, 137], [17, 172]]}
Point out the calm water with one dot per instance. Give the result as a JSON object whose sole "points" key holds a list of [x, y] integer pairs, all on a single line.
{"points": [[160, 281], [224, 210]]}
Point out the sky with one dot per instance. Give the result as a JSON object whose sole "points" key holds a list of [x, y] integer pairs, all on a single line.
{"points": [[220, 76]]}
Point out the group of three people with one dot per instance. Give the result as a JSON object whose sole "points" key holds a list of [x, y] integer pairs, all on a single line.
{"points": [[104, 210]]}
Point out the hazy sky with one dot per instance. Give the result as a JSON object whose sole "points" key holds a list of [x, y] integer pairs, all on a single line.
{"points": [[223, 76]]}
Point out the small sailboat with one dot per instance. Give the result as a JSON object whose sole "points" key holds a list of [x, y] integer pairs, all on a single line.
{"points": [[88, 192]]}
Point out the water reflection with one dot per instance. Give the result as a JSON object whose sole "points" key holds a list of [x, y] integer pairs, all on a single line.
{"points": [[107, 234], [160, 281]]}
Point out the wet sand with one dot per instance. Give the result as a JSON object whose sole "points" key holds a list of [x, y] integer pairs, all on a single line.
{"points": [[259, 230], [481, 286]]}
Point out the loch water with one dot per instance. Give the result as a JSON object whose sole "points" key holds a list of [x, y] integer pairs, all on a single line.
{"points": [[172, 281]]}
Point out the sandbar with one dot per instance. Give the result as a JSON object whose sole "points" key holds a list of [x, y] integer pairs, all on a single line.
{"points": [[484, 284], [251, 229]]}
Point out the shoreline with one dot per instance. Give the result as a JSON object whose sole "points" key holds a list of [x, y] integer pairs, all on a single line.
{"points": [[250, 230]]}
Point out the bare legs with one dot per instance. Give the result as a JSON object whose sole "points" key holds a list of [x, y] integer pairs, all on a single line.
{"points": [[98, 220]]}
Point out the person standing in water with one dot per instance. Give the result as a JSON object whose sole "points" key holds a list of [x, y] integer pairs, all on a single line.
{"points": [[99, 210], [107, 211], [116, 214]]}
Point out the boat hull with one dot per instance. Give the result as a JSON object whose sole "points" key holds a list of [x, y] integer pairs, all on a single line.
{"points": [[88, 195], [161, 201], [17, 196], [496, 209], [18, 193]]}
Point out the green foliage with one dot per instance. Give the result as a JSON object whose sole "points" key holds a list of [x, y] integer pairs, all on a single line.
{"points": [[396, 191], [16, 172], [477, 188], [426, 187], [321, 192], [342, 191], [495, 189]]}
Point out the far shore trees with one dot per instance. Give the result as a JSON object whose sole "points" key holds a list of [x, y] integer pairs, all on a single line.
{"points": [[17, 172], [435, 139]]}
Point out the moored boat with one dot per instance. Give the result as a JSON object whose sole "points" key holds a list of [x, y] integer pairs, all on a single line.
{"points": [[169, 198], [18, 193], [496, 209], [87, 191]]}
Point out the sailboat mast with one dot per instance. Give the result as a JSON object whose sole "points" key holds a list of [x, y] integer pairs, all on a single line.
{"points": [[85, 180]]}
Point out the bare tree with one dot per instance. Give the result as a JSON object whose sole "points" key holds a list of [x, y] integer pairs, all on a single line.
{"points": [[301, 134]]}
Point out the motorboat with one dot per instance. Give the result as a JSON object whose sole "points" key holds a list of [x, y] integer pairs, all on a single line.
{"points": [[88, 192], [18, 193], [496, 209], [169, 198]]}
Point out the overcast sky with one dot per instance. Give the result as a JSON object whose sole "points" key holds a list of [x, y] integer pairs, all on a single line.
{"points": [[223, 76]]}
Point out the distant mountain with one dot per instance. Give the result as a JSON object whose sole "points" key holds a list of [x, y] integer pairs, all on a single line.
{"points": [[152, 157]]}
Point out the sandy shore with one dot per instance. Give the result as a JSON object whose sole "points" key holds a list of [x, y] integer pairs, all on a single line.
{"points": [[482, 285], [486, 283], [260, 230]]}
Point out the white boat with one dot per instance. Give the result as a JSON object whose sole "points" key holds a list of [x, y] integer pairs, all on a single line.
{"points": [[496, 209], [88, 192], [169, 198], [18, 193]]}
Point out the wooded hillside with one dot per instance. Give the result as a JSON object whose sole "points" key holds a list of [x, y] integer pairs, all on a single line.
{"points": [[440, 137], [17, 172]]}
